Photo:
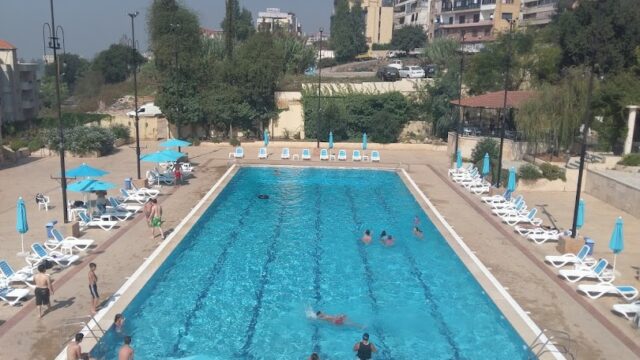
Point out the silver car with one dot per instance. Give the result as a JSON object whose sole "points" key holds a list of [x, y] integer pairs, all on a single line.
{"points": [[412, 72]]}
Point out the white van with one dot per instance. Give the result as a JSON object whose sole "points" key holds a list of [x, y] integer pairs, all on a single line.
{"points": [[146, 110]]}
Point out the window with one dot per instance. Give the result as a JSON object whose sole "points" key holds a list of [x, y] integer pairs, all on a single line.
{"points": [[461, 19], [476, 18], [450, 19], [507, 16], [507, 1]]}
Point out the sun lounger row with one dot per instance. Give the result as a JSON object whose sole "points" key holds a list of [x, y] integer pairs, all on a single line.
{"points": [[470, 179], [356, 155]]}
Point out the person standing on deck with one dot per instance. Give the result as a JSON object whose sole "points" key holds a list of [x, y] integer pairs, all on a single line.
{"points": [[156, 219], [44, 289]]}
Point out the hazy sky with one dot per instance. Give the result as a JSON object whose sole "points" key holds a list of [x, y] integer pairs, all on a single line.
{"points": [[92, 25]]}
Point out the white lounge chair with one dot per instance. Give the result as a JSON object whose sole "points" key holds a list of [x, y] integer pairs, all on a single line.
{"points": [[542, 237], [461, 170], [519, 208], [497, 199], [285, 154], [479, 187], [187, 168], [68, 242], [8, 293], [594, 291], [139, 198], [512, 203], [627, 310], [262, 153], [375, 156], [473, 175], [598, 271], [306, 154], [157, 177], [87, 222], [238, 153], [581, 258], [530, 218], [115, 204], [152, 193], [324, 154], [39, 254], [24, 275], [355, 155], [342, 155]]}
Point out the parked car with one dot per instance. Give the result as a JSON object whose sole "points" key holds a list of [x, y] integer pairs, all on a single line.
{"points": [[146, 110], [412, 72], [396, 64], [430, 71], [388, 73]]}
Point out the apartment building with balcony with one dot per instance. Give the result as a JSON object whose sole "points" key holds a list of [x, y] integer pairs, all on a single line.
{"points": [[537, 12], [378, 20], [273, 18], [479, 20], [19, 86], [412, 12]]}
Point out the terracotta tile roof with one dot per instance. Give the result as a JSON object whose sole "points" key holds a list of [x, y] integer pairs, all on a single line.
{"points": [[5, 45], [495, 100]]}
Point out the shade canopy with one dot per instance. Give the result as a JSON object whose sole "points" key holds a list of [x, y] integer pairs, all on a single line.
{"points": [[330, 139], [162, 156], [364, 141], [459, 159], [174, 143], [89, 185], [265, 137], [580, 219], [511, 184], [21, 217], [85, 170], [486, 165]]}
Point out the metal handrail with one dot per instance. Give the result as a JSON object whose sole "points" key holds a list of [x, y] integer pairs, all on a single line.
{"points": [[564, 346]]}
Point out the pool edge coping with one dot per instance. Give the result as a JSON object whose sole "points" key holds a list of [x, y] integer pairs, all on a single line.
{"points": [[87, 329], [537, 332]]}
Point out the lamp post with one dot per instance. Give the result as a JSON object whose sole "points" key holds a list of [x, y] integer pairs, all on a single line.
{"points": [[507, 81], [174, 29], [319, 88], [54, 45], [461, 115], [135, 89]]}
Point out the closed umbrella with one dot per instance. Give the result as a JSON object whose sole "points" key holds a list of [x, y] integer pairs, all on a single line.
{"points": [[85, 170], [364, 141], [486, 166], [458, 159], [580, 219], [21, 222], [330, 139], [616, 244], [511, 184], [266, 137]]}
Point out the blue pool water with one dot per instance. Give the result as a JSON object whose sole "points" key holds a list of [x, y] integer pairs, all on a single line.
{"points": [[238, 285]]}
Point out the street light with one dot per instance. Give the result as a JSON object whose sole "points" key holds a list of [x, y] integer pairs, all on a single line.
{"points": [[319, 86], [460, 116], [135, 88], [507, 81], [54, 45]]}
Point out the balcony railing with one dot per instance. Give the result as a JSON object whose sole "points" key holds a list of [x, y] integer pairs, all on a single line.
{"points": [[460, 6]]}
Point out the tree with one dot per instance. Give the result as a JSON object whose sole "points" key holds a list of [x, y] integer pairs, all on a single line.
{"points": [[237, 24], [48, 91], [347, 31], [441, 51], [408, 38], [358, 27], [115, 63], [72, 67], [296, 54]]}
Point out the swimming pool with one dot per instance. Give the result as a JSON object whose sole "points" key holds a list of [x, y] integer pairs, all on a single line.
{"points": [[238, 284]]}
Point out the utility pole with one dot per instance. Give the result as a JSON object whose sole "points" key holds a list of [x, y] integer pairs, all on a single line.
{"points": [[135, 89], [319, 90], [461, 114], [507, 82]]}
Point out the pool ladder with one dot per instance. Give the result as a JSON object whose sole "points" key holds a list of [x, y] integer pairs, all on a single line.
{"points": [[96, 331], [561, 341]]}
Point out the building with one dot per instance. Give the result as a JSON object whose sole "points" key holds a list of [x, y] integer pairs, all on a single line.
{"points": [[412, 12], [273, 19], [378, 16], [19, 99], [212, 33], [478, 20], [537, 12]]}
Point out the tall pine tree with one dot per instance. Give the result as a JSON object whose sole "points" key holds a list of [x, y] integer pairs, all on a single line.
{"points": [[347, 31]]}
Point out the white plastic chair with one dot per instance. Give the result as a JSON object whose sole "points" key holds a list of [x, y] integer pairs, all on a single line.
{"points": [[43, 202]]}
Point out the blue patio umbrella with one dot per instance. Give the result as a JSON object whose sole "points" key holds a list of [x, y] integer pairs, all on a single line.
{"points": [[511, 183], [85, 170], [174, 143], [616, 244], [580, 219], [162, 156], [458, 159], [21, 221], [172, 153], [364, 141], [266, 137], [486, 166], [89, 185], [330, 139]]}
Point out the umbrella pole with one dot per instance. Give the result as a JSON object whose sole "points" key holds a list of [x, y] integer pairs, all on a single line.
{"points": [[22, 243], [614, 263]]}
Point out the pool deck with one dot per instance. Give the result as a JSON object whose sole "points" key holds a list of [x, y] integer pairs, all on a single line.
{"points": [[516, 263]]}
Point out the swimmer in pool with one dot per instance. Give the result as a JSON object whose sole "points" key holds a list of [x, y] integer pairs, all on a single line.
{"points": [[383, 235], [418, 233], [388, 241], [339, 320], [416, 221], [366, 238]]}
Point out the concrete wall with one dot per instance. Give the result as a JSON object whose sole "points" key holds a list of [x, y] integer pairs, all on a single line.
{"points": [[404, 86], [512, 150], [623, 196], [150, 128]]}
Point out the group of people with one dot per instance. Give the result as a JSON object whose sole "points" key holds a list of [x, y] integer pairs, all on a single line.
{"points": [[74, 349], [364, 349], [387, 239]]}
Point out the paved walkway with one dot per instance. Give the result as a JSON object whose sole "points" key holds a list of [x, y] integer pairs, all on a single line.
{"points": [[120, 252]]}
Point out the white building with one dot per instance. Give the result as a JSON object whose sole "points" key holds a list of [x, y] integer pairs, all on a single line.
{"points": [[273, 19], [412, 12], [18, 86]]}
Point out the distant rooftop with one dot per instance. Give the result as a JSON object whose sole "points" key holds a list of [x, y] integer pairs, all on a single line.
{"points": [[495, 100], [5, 45]]}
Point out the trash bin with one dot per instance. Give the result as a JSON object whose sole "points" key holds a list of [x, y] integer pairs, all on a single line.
{"points": [[590, 243], [127, 183], [49, 226]]}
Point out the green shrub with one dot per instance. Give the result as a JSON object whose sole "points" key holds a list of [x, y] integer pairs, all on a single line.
{"points": [[553, 172], [485, 146], [381, 46], [35, 144], [327, 62], [120, 131], [17, 144], [234, 141], [630, 160], [529, 172], [81, 140]]}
